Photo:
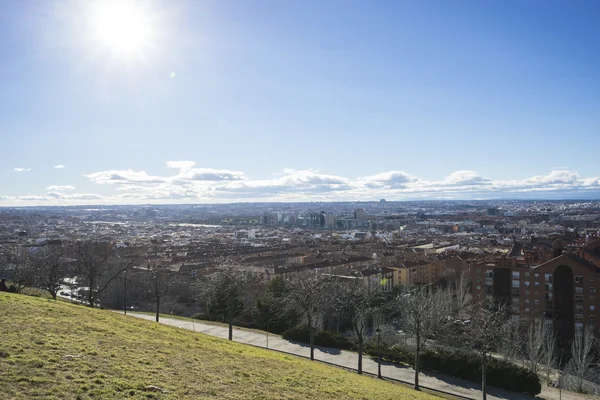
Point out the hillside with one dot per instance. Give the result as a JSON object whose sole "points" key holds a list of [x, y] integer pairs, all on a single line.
{"points": [[63, 351]]}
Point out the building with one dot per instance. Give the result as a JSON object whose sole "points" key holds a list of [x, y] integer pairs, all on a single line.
{"points": [[562, 291]]}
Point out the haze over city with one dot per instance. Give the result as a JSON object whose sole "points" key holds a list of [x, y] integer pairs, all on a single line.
{"points": [[210, 102]]}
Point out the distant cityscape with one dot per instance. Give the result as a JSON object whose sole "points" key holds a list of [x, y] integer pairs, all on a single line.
{"points": [[542, 257]]}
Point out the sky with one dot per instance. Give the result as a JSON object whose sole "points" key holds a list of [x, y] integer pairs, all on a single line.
{"points": [[202, 101]]}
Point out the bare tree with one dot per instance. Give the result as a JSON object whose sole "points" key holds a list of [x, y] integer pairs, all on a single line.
{"points": [[158, 279], [18, 267], [550, 356], [307, 295], [359, 304], [534, 346], [485, 328], [423, 312], [97, 267], [50, 265], [511, 345], [222, 292], [463, 294], [582, 356]]}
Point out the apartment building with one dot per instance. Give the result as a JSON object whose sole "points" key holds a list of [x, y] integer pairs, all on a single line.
{"points": [[562, 290]]}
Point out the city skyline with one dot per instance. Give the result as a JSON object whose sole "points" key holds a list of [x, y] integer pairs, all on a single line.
{"points": [[208, 102]]}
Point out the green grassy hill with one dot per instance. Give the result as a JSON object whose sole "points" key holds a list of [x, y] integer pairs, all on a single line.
{"points": [[58, 350]]}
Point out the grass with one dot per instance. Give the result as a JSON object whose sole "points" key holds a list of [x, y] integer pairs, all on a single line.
{"points": [[56, 350]]}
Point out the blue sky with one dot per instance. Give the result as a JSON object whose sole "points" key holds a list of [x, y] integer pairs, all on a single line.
{"points": [[299, 100]]}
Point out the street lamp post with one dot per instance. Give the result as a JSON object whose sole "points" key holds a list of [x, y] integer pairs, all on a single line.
{"points": [[125, 290], [378, 352], [268, 318]]}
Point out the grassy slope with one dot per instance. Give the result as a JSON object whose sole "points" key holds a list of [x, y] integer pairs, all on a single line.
{"points": [[121, 356]]}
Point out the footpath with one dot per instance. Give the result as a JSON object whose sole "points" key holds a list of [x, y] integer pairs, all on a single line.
{"points": [[347, 359]]}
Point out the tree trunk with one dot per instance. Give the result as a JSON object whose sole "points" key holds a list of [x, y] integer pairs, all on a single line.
{"points": [[312, 343], [417, 354], [360, 356], [230, 318], [53, 294], [484, 376], [91, 293]]}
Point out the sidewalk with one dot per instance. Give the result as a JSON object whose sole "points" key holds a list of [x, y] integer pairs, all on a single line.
{"points": [[349, 359]]}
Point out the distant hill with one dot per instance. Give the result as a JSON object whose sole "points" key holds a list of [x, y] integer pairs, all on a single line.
{"points": [[56, 350]]}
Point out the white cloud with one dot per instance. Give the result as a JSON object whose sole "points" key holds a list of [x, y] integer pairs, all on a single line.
{"points": [[390, 179], [58, 188], [465, 178], [22, 169], [59, 166], [123, 177], [181, 165], [209, 174], [193, 184]]}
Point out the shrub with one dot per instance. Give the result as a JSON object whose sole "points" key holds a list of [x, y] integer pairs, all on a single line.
{"points": [[301, 333], [466, 365]]}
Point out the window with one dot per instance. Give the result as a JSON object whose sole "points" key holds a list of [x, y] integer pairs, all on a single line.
{"points": [[579, 280], [579, 289], [548, 277], [478, 270], [592, 289], [592, 279], [592, 308], [537, 283], [526, 283], [548, 286], [526, 309], [536, 302], [489, 290], [526, 301], [515, 292], [526, 274], [527, 292], [578, 298], [592, 318], [478, 287], [578, 317], [592, 298], [489, 273], [578, 308], [516, 274], [536, 276], [548, 296], [516, 283]]}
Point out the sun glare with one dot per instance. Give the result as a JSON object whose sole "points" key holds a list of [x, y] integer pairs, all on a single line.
{"points": [[122, 27]]}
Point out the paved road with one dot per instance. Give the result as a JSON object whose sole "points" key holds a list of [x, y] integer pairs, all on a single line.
{"points": [[349, 359]]}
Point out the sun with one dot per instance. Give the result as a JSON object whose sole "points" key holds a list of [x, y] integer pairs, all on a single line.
{"points": [[122, 27]]}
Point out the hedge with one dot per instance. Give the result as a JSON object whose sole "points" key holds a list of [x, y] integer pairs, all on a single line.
{"points": [[466, 365], [301, 334]]}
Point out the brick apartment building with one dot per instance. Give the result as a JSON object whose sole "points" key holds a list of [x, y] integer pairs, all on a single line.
{"points": [[561, 289]]}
